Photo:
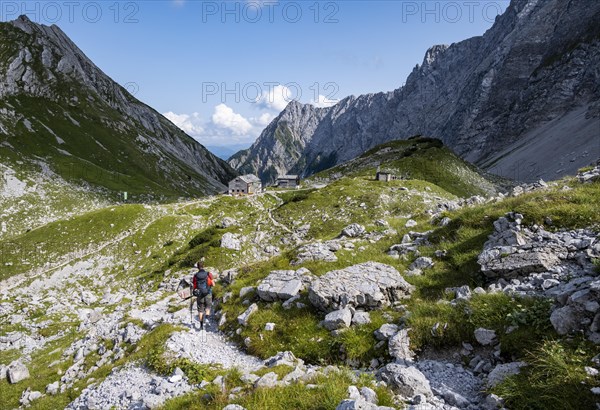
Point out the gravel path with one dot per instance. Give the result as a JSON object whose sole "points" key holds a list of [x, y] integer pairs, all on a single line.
{"points": [[214, 350], [130, 388]]}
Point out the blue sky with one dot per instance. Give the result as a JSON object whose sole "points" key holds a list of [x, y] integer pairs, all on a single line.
{"points": [[223, 70]]}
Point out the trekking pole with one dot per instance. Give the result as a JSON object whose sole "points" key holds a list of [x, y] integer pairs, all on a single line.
{"points": [[191, 312]]}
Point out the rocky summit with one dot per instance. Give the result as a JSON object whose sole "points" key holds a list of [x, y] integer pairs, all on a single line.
{"points": [[524, 92], [61, 115]]}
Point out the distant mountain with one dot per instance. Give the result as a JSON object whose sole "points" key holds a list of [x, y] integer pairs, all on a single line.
{"points": [[523, 101], [227, 151], [59, 110]]}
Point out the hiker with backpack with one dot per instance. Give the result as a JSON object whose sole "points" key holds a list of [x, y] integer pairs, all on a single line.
{"points": [[202, 284]]}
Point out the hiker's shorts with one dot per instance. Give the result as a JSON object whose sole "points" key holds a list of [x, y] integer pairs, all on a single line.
{"points": [[205, 302]]}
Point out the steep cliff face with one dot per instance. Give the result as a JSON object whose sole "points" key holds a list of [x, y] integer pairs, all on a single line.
{"points": [[56, 106], [522, 100]]}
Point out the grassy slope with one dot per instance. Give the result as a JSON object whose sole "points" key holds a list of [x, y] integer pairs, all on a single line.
{"points": [[166, 239], [44, 198], [420, 158], [98, 144]]}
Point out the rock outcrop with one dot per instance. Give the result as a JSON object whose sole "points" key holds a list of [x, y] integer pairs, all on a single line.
{"points": [[369, 285], [531, 261], [514, 251]]}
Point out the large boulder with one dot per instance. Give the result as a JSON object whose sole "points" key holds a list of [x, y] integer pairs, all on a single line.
{"points": [[405, 380], [317, 251], [496, 264], [17, 372], [361, 318], [513, 250], [566, 319], [370, 285], [485, 337], [283, 284]]}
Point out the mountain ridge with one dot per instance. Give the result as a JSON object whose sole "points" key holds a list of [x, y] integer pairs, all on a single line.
{"points": [[47, 74], [479, 96]]}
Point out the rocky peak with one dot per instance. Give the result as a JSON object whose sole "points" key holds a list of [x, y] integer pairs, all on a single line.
{"points": [[41, 62], [433, 53], [495, 99]]}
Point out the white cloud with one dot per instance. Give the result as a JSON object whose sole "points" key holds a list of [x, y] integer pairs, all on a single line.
{"points": [[323, 102], [277, 98], [225, 117], [190, 124], [264, 119], [224, 128], [178, 3]]}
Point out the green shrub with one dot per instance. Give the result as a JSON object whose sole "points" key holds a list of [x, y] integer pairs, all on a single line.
{"points": [[554, 379]]}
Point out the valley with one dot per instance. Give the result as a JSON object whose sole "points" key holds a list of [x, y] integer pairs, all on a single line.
{"points": [[95, 305]]}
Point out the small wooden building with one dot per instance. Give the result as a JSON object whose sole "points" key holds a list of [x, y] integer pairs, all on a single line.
{"points": [[385, 176], [245, 185], [288, 181]]}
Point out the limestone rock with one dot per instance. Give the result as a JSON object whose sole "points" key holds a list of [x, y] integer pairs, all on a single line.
{"points": [[565, 320], [338, 319], [399, 345], [405, 380], [502, 371], [368, 285], [283, 284], [317, 251], [234, 407], [517, 264], [267, 381], [283, 358], [231, 241], [386, 331], [354, 231], [17, 372], [228, 222], [361, 318], [485, 337], [244, 317]]}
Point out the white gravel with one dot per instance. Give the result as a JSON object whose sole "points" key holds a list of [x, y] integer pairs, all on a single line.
{"points": [[455, 384], [214, 350], [131, 387]]}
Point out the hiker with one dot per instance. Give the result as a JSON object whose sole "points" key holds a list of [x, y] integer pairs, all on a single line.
{"points": [[202, 285]]}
